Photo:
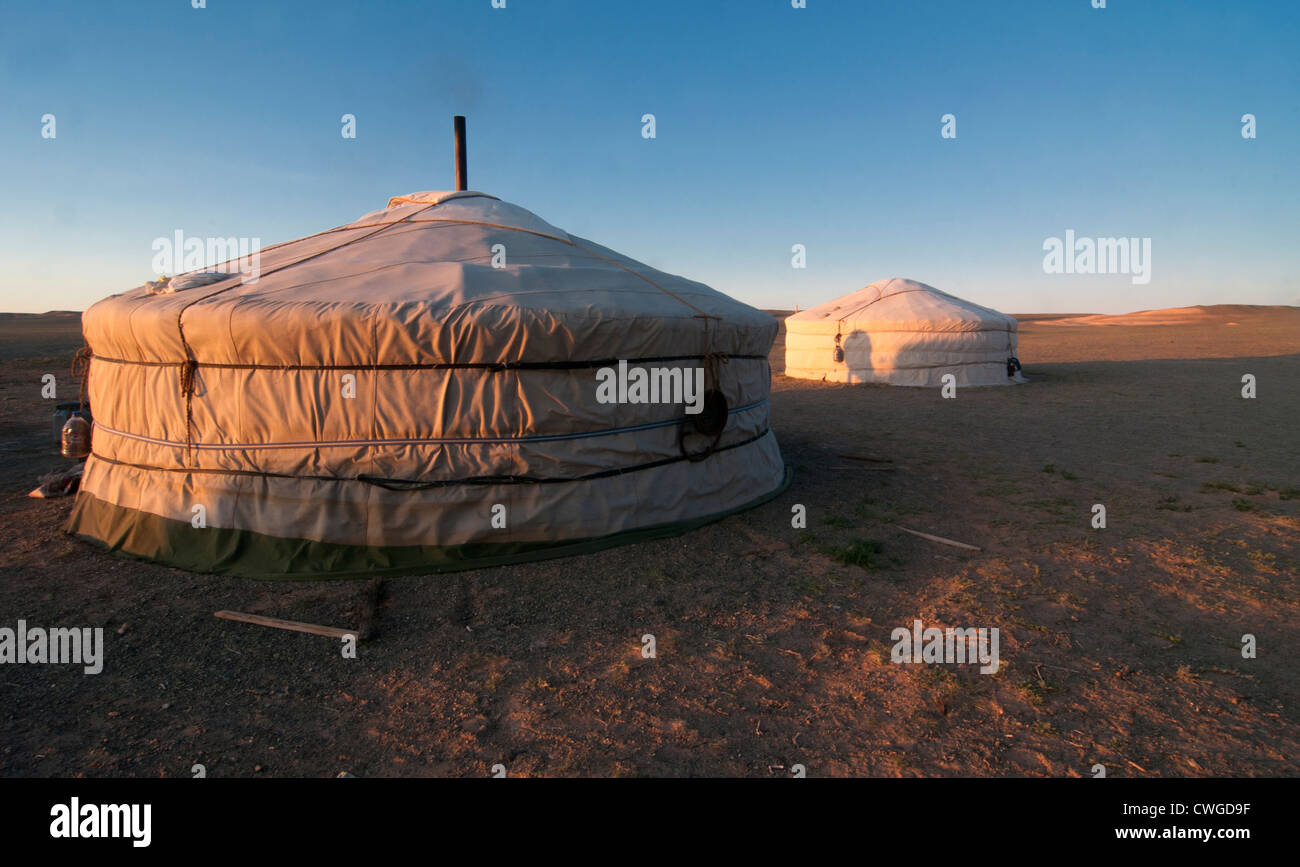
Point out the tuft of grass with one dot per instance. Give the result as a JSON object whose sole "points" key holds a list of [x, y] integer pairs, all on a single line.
{"points": [[1207, 487], [1262, 559], [1289, 494], [1069, 477], [1033, 691], [1202, 557], [808, 586], [1207, 460], [861, 552], [1054, 506], [1050, 468], [1243, 505]]}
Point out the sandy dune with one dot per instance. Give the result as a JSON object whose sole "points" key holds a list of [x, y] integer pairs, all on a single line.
{"points": [[1216, 314], [1219, 331]]}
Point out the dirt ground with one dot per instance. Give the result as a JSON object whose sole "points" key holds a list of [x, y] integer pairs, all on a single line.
{"points": [[1120, 646]]}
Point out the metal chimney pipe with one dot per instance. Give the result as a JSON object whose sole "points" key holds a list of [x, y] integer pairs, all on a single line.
{"points": [[462, 175]]}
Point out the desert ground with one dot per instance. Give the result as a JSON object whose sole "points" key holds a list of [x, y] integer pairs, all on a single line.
{"points": [[1120, 646]]}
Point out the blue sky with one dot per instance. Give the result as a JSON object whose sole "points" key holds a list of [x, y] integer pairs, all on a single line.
{"points": [[775, 126]]}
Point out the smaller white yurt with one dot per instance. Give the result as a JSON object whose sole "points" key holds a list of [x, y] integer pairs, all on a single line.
{"points": [[901, 332]]}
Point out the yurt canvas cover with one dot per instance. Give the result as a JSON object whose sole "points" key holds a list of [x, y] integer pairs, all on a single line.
{"points": [[901, 332], [366, 405]]}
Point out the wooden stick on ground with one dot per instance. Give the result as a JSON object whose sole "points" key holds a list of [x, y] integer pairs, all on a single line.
{"points": [[864, 458], [293, 625], [940, 539]]}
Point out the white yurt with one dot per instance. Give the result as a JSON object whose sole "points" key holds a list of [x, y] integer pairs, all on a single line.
{"points": [[417, 391], [901, 332]]}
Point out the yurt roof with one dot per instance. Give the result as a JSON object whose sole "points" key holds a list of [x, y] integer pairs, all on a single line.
{"points": [[415, 282], [899, 304]]}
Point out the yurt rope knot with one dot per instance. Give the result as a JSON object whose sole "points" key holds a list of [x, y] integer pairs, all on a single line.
{"points": [[713, 362], [189, 373], [189, 368]]}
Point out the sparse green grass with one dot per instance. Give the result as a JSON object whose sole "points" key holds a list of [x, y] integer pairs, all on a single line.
{"points": [[1207, 460], [1034, 691], [1202, 557], [807, 585], [860, 552], [1055, 506], [1262, 559], [657, 576], [938, 677], [887, 513], [1002, 489], [1242, 505], [1207, 487], [1288, 493]]}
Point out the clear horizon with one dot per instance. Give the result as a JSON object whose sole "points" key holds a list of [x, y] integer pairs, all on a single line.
{"points": [[774, 126]]}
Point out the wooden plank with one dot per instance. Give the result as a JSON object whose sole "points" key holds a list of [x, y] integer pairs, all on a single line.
{"points": [[294, 625], [940, 539]]}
